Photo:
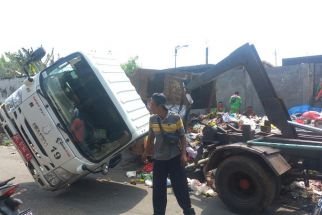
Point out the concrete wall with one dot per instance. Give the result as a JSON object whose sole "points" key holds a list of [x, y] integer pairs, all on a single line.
{"points": [[8, 86], [294, 84]]}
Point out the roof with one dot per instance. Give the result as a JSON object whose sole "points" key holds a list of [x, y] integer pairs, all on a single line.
{"points": [[185, 69], [190, 69], [299, 60]]}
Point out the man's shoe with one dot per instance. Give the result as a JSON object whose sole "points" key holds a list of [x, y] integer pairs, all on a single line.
{"points": [[190, 211]]}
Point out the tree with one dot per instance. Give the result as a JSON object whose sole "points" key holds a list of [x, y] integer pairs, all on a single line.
{"points": [[130, 66], [11, 64], [6, 69]]}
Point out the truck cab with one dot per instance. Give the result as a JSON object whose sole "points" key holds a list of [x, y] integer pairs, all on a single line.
{"points": [[74, 118]]}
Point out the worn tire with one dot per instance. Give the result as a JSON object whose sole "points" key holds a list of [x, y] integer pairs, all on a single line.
{"points": [[244, 185]]}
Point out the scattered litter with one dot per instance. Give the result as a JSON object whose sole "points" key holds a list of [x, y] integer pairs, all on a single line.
{"points": [[168, 183], [295, 195], [299, 184], [133, 182], [200, 188], [191, 152], [148, 183], [131, 174], [317, 192], [210, 193], [103, 180], [148, 167], [298, 190], [192, 136], [142, 176]]}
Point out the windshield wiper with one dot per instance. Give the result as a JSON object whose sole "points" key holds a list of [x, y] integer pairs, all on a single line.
{"points": [[58, 125], [47, 99]]}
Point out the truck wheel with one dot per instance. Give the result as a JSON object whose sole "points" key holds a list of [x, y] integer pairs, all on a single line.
{"points": [[244, 185]]}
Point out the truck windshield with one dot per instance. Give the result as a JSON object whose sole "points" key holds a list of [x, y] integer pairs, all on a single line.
{"points": [[83, 105]]}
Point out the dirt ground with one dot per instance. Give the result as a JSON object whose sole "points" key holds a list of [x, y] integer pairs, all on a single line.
{"points": [[111, 194]]}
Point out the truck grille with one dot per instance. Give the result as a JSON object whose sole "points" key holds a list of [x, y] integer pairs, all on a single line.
{"points": [[35, 138], [25, 137]]}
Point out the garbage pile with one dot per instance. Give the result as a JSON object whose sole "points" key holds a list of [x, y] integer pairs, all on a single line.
{"points": [[298, 190], [307, 115], [306, 199], [204, 130], [311, 118]]}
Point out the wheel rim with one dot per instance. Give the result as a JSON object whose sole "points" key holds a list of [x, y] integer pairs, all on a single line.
{"points": [[242, 186]]}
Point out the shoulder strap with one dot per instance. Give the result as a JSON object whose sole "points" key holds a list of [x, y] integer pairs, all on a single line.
{"points": [[159, 122]]}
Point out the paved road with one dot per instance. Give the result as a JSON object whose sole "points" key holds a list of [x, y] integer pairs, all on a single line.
{"points": [[98, 195]]}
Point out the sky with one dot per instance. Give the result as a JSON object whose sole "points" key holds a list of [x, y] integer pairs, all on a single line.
{"points": [[152, 29]]}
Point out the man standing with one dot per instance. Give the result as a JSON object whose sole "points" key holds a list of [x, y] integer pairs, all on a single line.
{"points": [[235, 103], [220, 108], [167, 141]]}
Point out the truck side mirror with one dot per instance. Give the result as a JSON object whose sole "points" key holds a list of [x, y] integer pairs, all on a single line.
{"points": [[37, 55]]}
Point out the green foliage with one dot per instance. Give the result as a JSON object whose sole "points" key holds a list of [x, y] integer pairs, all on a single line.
{"points": [[12, 63], [7, 142], [7, 69], [130, 66]]}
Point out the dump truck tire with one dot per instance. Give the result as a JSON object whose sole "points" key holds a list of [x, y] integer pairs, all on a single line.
{"points": [[244, 185]]}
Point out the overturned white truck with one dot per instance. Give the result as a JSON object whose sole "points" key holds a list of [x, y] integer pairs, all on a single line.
{"points": [[73, 118]]}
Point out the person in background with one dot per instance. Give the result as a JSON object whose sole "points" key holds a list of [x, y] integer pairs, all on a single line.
{"points": [[169, 157], [249, 112], [318, 94], [235, 103], [220, 108]]}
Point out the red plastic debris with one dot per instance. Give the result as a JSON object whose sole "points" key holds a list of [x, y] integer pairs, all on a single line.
{"points": [[311, 115], [148, 168]]}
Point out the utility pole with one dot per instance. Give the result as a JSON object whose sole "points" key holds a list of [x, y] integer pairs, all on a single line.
{"points": [[207, 55], [176, 53], [175, 56]]}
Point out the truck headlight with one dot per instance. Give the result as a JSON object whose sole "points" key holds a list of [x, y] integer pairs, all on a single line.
{"points": [[52, 179], [14, 100], [63, 174]]}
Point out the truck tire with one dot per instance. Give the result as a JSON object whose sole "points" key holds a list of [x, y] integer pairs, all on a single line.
{"points": [[244, 185]]}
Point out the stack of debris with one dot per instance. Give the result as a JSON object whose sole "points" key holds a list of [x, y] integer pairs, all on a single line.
{"points": [[212, 129], [306, 197], [207, 131], [297, 190], [307, 115], [311, 118]]}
